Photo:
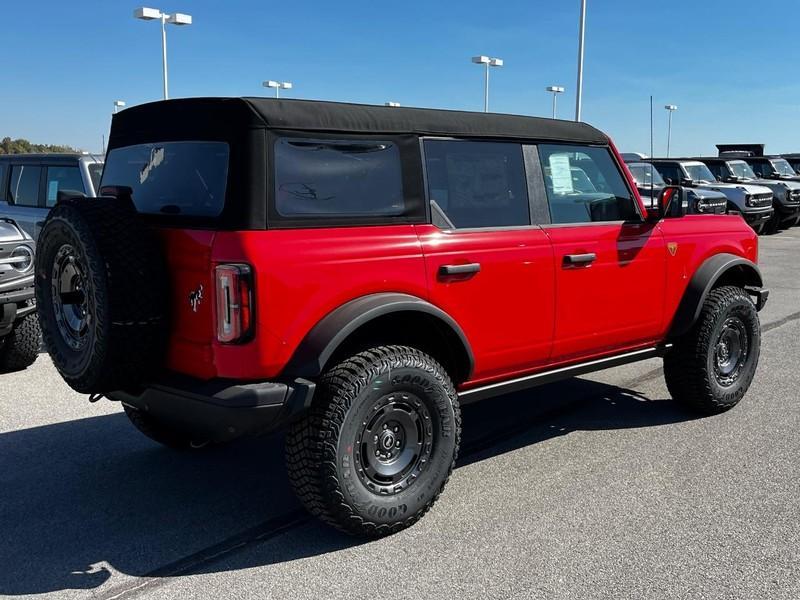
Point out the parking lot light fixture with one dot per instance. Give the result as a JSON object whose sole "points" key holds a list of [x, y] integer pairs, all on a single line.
{"points": [[150, 14], [486, 61], [555, 90], [393, 104], [670, 108], [278, 86], [118, 104]]}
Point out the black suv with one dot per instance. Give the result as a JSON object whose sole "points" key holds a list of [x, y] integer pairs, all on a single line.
{"points": [[19, 324]]}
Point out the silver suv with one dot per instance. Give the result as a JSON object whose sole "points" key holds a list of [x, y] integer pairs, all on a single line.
{"points": [[752, 202], [31, 184]]}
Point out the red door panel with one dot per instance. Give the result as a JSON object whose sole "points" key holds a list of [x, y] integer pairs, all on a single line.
{"points": [[506, 309], [614, 301]]}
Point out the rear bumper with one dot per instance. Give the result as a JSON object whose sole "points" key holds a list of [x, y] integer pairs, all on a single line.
{"points": [[220, 410]]}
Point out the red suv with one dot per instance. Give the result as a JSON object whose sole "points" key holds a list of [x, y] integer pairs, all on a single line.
{"points": [[357, 272]]}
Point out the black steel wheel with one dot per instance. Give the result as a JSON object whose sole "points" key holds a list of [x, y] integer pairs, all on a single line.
{"points": [[711, 367], [378, 446], [72, 308]]}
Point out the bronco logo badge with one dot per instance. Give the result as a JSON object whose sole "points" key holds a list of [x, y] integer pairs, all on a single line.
{"points": [[195, 297], [672, 247]]}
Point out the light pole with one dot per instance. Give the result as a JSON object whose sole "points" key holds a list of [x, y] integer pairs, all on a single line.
{"points": [[487, 62], [393, 104], [118, 104], [148, 14], [671, 108], [278, 85], [556, 90], [579, 87]]}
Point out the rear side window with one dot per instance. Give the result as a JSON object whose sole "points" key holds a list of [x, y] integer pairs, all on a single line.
{"points": [[23, 189], [348, 179], [584, 185], [3, 170], [66, 180], [172, 178], [476, 184]]}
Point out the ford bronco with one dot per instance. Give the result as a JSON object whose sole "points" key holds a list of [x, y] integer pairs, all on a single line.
{"points": [[20, 339], [356, 273]]}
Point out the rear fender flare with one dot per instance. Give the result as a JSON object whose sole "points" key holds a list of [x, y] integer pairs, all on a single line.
{"points": [[320, 344]]}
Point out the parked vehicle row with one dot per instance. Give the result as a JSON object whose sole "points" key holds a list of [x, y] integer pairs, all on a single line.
{"points": [[356, 273]]}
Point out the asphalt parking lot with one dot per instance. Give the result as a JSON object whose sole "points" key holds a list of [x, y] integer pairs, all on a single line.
{"points": [[598, 487]]}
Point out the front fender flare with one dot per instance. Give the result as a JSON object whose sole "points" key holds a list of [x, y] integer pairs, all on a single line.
{"points": [[704, 280], [313, 353]]}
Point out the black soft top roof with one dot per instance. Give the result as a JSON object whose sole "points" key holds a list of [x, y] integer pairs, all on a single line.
{"points": [[229, 118]]}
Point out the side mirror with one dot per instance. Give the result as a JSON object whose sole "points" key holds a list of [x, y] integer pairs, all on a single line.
{"points": [[686, 182], [665, 206]]}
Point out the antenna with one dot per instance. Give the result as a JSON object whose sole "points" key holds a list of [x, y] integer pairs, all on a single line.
{"points": [[652, 189]]}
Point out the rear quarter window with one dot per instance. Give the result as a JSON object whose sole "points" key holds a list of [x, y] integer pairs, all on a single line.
{"points": [[341, 180], [172, 178]]}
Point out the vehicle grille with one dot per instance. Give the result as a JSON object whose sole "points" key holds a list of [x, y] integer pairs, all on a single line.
{"points": [[760, 200], [795, 196]]}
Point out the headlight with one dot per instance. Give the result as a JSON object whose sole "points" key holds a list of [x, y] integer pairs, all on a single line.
{"points": [[748, 199], [21, 258]]}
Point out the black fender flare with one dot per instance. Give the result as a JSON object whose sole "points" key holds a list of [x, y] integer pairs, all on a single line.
{"points": [[703, 281], [312, 354]]}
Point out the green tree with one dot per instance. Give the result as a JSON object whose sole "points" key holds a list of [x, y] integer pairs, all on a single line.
{"points": [[23, 146]]}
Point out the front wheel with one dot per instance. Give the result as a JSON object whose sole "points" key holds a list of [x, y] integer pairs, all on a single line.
{"points": [[378, 446], [712, 366]]}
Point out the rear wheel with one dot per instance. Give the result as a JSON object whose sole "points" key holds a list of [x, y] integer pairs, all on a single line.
{"points": [[378, 446], [20, 348], [711, 367]]}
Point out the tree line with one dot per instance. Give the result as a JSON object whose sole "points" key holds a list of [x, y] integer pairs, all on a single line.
{"points": [[23, 146]]}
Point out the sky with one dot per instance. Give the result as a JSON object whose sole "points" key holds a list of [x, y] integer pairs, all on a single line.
{"points": [[729, 65]]}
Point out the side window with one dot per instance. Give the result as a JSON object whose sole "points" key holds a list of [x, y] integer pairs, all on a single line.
{"points": [[63, 179], [585, 185], [716, 170], [476, 184], [345, 179], [23, 189], [3, 170], [760, 169], [670, 173]]}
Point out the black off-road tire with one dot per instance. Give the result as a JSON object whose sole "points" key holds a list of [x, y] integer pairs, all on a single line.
{"points": [[691, 366], [20, 348], [162, 432], [325, 450], [123, 288]]}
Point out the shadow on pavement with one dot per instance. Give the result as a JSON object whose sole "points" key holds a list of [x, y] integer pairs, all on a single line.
{"points": [[83, 500]]}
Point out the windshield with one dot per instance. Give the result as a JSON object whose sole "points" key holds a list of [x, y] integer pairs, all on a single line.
{"points": [[642, 173], [783, 167], [95, 172], [172, 178], [739, 168], [699, 173]]}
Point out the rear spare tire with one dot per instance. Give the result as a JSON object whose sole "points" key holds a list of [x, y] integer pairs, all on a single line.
{"points": [[101, 294]]}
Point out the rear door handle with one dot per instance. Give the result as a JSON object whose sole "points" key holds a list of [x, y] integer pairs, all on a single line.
{"points": [[574, 260], [453, 270]]}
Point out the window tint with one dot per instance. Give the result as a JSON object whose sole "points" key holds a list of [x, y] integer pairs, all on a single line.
{"points": [[477, 184], [95, 172], [671, 173], [172, 178], [24, 185], [718, 170], [63, 179], [584, 185], [338, 178], [3, 170]]}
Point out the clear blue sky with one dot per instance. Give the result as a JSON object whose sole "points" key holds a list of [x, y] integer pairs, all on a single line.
{"points": [[66, 62]]}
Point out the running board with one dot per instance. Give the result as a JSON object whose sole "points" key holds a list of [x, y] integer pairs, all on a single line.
{"points": [[544, 377]]}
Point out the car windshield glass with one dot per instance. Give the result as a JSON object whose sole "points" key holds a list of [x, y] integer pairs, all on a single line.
{"points": [[699, 173], [783, 167], [741, 169], [644, 174], [172, 178], [95, 172]]}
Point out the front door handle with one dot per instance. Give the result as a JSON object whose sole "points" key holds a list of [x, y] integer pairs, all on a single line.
{"points": [[455, 270], [576, 260]]}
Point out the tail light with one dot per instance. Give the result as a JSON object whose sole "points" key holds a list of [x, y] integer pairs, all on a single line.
{"points": [[234, 303]]}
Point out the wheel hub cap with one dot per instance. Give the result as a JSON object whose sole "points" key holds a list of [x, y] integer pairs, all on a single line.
{"points": [[394, 444], [731, 351], [70, 300]]}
